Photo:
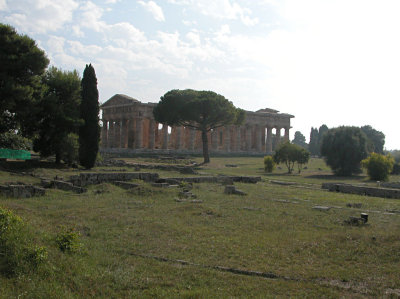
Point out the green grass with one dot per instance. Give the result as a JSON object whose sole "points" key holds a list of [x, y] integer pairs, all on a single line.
{"points": [[272, 229]]}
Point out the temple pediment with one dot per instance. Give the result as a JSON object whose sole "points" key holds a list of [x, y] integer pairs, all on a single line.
{"points": [[268, 110], [119, 99]]}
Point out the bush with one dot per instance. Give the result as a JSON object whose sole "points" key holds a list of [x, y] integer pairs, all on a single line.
{"points": [[396, 169], [68, 240], [14, 141], [269, 164], [378, 166], [343, 149], [16, 252], [70, 149], [289, 154]]}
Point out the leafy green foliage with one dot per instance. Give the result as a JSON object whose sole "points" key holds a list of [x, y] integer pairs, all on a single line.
{"points": [[313, 146], [70, 149], [200, 110], [269, 164], [16, 252], [22, 64], [59, 115], [68, 240], [343, 148], [14, 141], [378, 166], [376, 139], [300, 139], [89, 132], [289, 153]]}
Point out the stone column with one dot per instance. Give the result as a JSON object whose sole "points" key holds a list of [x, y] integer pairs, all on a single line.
{"points": [[139, 133], [214, 139], [178, 138], [258, 138], [152, 135], [287, 134], [124, 133], [227, 138], [111, 134], [192, 135], [104, 135], [165, 136], [248, 137], [131, 133], [238, 139], [117, 134], [269, 140], [278, 137]]}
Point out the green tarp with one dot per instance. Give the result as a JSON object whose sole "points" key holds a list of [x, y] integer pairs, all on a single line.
{"points": [[14, 154]]}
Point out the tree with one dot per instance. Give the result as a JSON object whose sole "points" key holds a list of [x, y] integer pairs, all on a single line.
{"points": [[299, 139], [200, 110], [289, 154], [269, 164], [89, 132], [376, 139], [303, 156], [321, 132], [21, 65], [378, 166], [343, 148], [313, 146], [59, 115]]}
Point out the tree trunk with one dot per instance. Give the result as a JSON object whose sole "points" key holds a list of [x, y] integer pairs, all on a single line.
{"points": [[204, 138]]}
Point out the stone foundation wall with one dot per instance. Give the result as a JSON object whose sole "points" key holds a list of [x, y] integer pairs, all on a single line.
{"points": [[90, 178], [21, 191], [363, 190]]}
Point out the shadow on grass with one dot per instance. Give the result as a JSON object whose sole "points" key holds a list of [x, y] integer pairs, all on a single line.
{"points": [[16, 166]]}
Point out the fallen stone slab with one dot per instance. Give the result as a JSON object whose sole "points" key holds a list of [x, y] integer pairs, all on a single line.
{"points": [[125, 185], [284, 183], [362, 190], [67, 186], [92, 178], [160, 185], [21, 191], [321, 208], [231, 189]]}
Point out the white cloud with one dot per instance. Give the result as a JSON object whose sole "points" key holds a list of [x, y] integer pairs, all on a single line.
{"points": [[221, 9], [3, 5], [40, 16], [154, 9], [112, 1]]}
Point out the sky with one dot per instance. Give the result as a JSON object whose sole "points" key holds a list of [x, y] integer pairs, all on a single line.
{"points": [[323, 61]]}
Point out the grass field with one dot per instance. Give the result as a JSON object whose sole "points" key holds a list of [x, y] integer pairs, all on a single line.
{"points": [[273, 229]]}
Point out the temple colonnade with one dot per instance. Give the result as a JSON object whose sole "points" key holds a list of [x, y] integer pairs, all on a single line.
{"points": [[129, 124]]}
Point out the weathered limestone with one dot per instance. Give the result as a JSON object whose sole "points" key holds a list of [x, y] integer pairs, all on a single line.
{"points": [[363, 190], [91, 178], [129, 125], [21, 191]]}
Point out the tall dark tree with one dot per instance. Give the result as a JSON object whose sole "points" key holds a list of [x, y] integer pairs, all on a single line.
{"points": [[89, 132], [313, 146], [59, 115], [376, 139], [299, 139], [21, 65], [343, 149], [200, 110]]}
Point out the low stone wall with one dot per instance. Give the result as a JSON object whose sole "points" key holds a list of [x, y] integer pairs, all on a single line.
{"points": [[393, 185], [62, 185], [362, 190], [91, 178], [21, 191], [215, 179]]}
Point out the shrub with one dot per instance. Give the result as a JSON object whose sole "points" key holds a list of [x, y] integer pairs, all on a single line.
{"points": [[70, 149], [68, 240], [269, 164], [16, 252], [14, 141], [343, 149], [396, 168], [378, 166]]}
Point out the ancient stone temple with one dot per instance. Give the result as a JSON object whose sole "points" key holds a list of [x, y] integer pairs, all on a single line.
{"points": [[129, 126]]}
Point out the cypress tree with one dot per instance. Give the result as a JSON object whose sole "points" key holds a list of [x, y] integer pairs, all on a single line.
{"points": [[89, 132]]}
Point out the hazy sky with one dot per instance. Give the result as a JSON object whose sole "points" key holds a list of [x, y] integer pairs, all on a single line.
{"points": [[325, 61]]}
